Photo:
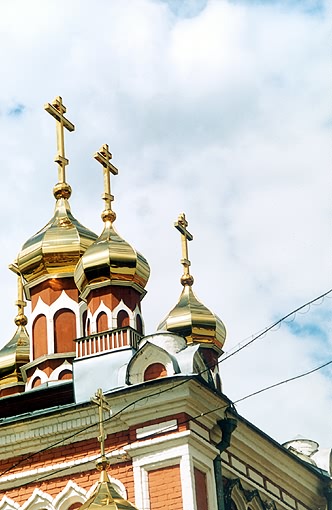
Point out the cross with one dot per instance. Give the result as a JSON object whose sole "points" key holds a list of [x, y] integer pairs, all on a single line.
{"points": [[20, 303], [57, 109], [181, 225], [103, 156], [103, 405]]}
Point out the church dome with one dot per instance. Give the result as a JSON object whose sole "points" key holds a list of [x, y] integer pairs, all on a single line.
{"points": [[110, 259], [56, 248], [194, 321], [190, 318]]}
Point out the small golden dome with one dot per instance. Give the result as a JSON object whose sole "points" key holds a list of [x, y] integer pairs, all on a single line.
{"points": [[111, 259], [105, 496], [55, 249], [13, 355], [192, 320]]}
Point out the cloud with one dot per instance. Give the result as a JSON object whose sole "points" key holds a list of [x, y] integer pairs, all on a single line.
{"points": [[222, 112]]}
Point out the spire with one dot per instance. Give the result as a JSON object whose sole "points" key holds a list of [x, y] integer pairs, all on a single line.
{"points": [[110, 260], [104, 496], [103, 156], [57, 247], [57, 109], [16, 352], [181, 225], [190, 318], [20, 319]]}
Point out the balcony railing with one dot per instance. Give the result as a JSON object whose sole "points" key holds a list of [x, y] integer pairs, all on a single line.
{"points": [[106, 341]]}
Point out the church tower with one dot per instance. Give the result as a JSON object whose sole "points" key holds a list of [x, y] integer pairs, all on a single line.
{"points": [[46, 262], [191, 319]]}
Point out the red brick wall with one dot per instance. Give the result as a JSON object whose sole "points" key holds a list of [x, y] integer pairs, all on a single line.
{"points": [[200, 489], [165, 489]]}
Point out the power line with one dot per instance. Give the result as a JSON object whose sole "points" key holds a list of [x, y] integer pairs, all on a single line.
{"points": [[159, 392], [200, 415], [277, 323]]}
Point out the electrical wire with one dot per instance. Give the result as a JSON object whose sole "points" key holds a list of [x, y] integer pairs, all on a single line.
{"points": [[277, 323], [181, 383]]}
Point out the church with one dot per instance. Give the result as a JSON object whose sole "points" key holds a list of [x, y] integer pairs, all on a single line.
{"points": [[97, 414]]}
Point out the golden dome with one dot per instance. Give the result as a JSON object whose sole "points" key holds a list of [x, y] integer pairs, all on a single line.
{"points": [[110, 259], [56, 248], [13, 355], [190, 318], [17, 351], [105, 496]]}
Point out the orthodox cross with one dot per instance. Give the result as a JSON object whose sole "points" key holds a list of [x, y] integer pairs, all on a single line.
{"points": [[103, 405], [57, 109], [20, 303], [103, 156], [181, 225]]}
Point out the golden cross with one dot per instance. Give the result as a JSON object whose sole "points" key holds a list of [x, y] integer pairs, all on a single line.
{"points": [[20, 303], [57, 109], [103, 405], [186, 236], [103, 156]]}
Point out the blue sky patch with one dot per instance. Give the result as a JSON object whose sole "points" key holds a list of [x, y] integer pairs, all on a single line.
{"points": [[16, 110]]}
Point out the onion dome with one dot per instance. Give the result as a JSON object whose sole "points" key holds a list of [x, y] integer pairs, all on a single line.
{"points": [[190, 318], [104, 495], [16, 352], [110, 259], [55, 250]]}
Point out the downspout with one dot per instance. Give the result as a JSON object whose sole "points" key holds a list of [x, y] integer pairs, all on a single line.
{"points": [[227, 427], [328, 496]]}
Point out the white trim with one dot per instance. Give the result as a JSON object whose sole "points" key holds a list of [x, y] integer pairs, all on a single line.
{"points": [[37, 373], [101, 308], [71, 494], [119, 307], [54, 376], [39, 500], [8, 504]]}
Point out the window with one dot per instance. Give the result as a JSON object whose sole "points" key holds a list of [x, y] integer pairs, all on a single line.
{"points": [[155, 371], [122, 319], [39, 336], [64, 331]]}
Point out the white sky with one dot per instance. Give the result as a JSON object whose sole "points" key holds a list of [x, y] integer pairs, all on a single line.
{"points": [[220, 109]]}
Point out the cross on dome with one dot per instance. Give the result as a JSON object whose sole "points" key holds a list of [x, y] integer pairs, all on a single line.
{"points": [[104, 156], [181, 225], [57, 109], [103, 405]]}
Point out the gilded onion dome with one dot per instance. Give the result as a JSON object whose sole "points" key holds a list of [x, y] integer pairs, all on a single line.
{"points": [[55, 250], [110, 259], [104, 495], [16, 352], [190, 318]]}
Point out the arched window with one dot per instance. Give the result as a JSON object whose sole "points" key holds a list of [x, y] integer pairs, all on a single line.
{"points": [[36, 382], [102, 322], [74, 506], [139, 324], [64, 331], [155, 371], [122, 319], [65, 375], [88, 328], [39, 336]]}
